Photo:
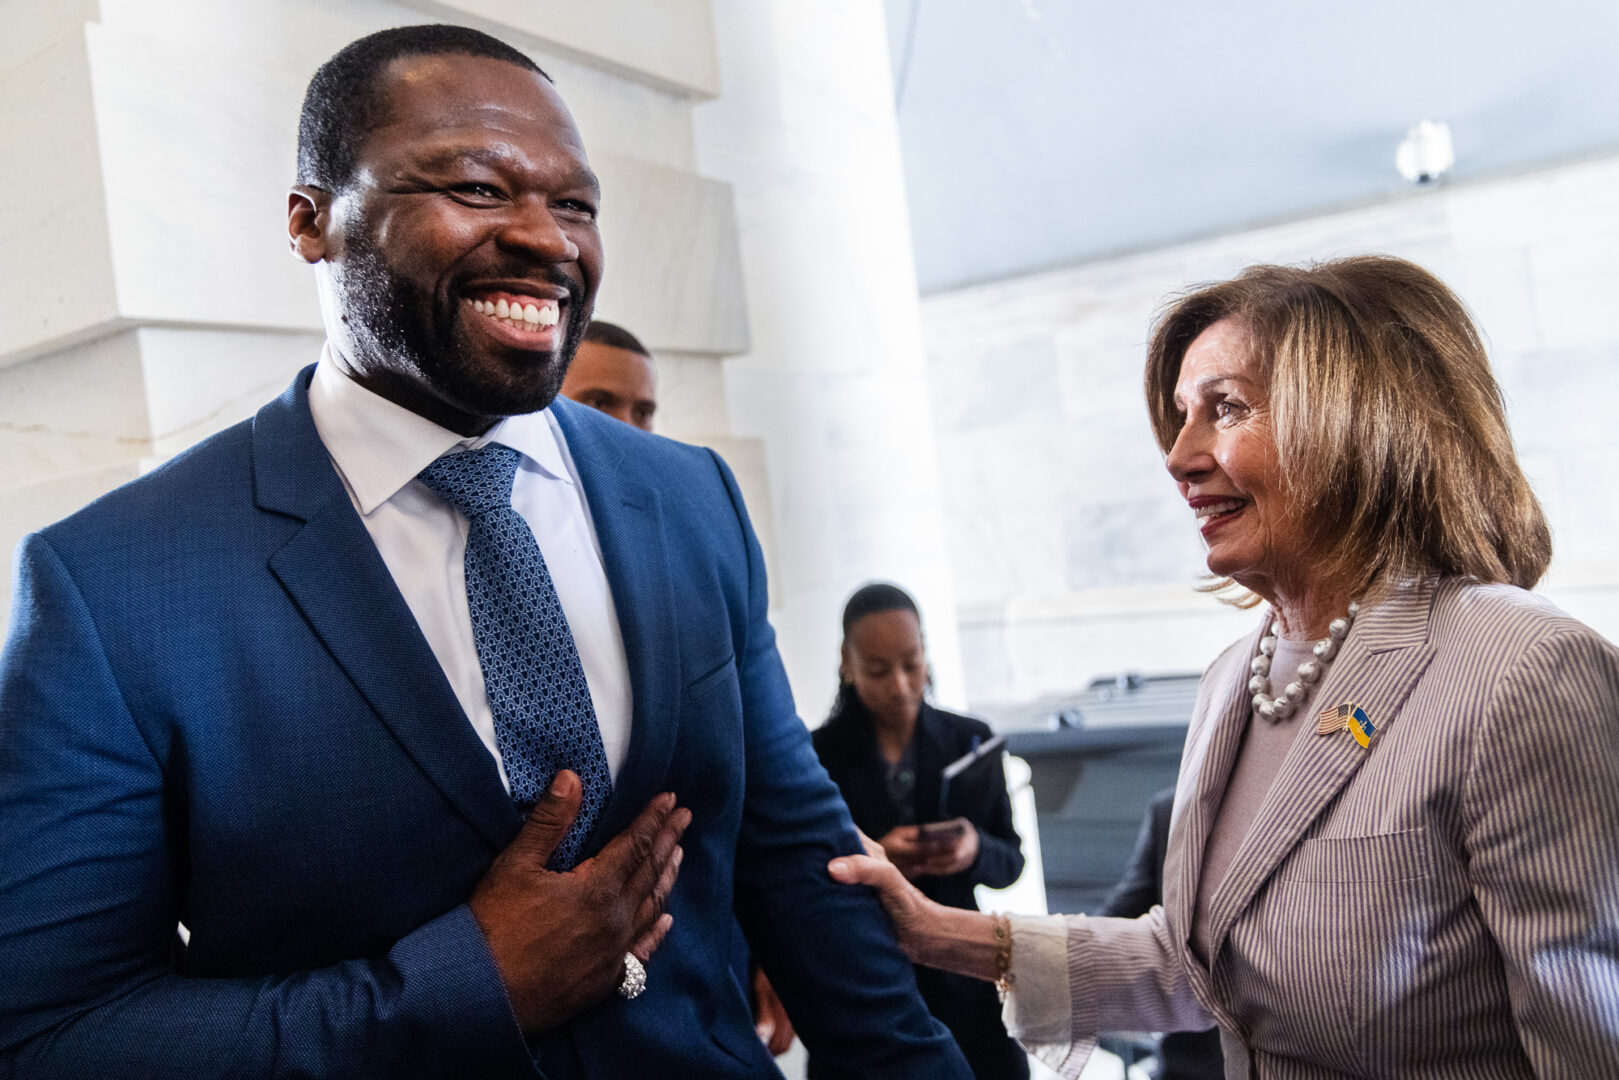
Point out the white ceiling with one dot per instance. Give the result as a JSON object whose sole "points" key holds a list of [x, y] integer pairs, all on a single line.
{"points": [[1041, 133]]}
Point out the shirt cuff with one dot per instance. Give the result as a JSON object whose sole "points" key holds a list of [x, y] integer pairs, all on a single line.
{"points": [[1039, 1006]]}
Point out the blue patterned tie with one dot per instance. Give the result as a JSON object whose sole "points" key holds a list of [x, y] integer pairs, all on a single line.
{"points": [[544, 719]]}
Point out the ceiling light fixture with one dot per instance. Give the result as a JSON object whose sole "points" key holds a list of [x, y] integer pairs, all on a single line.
{"points": [[1426, 154]]}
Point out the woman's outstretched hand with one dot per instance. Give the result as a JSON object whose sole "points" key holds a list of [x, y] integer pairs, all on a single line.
{"points": [[907, 908]]}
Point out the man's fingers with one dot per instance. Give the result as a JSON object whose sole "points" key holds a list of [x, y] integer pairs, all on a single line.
{"points": [[652, 906], [549, 820], [648, 943], [624, 853], [643, 876]]}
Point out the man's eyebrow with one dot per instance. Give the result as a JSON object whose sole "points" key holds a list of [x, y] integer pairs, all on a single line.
{"points": [[497, 157]]}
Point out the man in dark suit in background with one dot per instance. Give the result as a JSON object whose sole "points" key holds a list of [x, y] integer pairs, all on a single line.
{"points": [[298, 688]]}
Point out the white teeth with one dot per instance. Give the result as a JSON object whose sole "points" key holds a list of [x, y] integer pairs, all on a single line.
{"points": [[1217, 508], [541, 313]]}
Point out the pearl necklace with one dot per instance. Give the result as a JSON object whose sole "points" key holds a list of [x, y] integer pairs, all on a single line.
{"points": [[1286, 703]]}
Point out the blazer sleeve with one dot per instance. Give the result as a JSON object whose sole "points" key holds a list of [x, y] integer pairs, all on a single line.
{"points": [[1542, 836], [1102, 974], [827, 947], [92, 872], [1140, 887], [1000, 849]]}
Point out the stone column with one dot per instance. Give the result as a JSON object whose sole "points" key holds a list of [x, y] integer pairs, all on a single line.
{"points": [[834, 381]]}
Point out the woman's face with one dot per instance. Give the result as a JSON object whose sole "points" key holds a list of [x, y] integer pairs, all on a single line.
{"points": [[1225, 461], [884, 659]]}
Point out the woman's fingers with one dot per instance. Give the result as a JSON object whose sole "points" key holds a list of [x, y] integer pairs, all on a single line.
{"points": [[902, 901], [865, 870], [873, 848]]}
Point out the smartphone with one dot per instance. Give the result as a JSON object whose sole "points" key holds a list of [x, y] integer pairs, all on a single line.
{"points": [[941, 834]]}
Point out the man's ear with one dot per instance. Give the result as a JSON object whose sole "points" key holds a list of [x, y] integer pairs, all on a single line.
{"points": [[309, 222]]}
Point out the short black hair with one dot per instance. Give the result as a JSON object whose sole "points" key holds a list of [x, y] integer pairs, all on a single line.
{"points": [[876, 597], [614, 336], [871, 598], [341, 102]]}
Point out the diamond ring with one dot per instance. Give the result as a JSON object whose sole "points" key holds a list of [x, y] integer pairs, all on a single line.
{"points": [[634, 980]]}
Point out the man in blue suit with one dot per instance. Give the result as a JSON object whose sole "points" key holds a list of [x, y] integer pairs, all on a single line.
{"points": [[444, 716]]}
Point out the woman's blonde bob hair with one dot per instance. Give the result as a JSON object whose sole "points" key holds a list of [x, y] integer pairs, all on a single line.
{"points": [[1390, 429]]}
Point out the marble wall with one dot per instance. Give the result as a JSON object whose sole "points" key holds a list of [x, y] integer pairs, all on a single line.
{"points": [[834, 384], [147, 298], [1073, 555]]}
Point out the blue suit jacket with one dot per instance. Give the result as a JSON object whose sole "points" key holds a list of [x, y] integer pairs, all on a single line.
{"points": [[216, 708]]}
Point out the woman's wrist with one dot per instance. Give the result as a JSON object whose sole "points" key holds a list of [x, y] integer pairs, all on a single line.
{"points": [[964, 942]]}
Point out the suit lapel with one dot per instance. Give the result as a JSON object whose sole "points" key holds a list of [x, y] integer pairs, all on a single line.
{"points": [[1381, 661], [628, 519], [1210, 755], [331, 570]]}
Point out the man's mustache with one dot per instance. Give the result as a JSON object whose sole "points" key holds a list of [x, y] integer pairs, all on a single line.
{"points": [[524, 270]]}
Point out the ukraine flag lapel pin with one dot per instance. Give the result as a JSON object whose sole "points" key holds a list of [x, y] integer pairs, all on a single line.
{"points": [[1347, 717]]}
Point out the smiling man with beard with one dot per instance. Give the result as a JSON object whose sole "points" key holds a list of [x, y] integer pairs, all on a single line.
{"points": [[443, 715]]}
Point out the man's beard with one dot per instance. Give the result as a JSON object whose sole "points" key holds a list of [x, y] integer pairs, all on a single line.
{"points": [[396, 328]]}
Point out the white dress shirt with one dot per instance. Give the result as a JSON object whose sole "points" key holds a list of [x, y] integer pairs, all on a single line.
{"points": [[378, 447]]}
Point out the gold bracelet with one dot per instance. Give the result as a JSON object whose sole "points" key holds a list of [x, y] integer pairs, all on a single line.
{"points": [[1003, 955]]}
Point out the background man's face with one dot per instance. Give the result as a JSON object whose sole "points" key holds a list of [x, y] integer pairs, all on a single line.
{"points": [[464, 256], [620, 382]]}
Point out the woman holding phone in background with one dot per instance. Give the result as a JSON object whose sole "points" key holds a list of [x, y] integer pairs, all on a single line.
{"points": [[886, 748]]}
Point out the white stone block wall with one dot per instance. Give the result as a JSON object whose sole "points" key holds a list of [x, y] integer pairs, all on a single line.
{"points": [[1073, 556]]}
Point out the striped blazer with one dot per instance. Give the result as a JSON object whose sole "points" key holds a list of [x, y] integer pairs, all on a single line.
{"points": [[1442, 905]]}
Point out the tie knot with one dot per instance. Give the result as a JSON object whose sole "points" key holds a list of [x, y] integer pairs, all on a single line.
{"points": [[476, 481]]}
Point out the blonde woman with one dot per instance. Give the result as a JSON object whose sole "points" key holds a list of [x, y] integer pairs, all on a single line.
{"points": [[1395, 848]]}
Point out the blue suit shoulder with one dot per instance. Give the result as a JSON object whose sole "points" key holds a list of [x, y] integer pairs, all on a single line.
{"points": [[679, 471]]}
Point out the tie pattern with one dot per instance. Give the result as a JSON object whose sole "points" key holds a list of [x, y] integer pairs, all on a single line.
{"points": [[544, 719]]}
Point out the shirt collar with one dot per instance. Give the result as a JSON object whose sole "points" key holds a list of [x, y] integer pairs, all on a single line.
{"points": [[379, 446]]}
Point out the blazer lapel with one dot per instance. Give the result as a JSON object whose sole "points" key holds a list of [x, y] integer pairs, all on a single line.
{"points": [[1381, 661], [1209, 756], [331, 570], [628, 520]]}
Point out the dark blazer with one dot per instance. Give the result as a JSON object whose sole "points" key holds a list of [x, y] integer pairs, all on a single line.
{"points": [[847, 746], [216, 709]]}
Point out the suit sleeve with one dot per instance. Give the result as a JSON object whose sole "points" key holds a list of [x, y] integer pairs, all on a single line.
{"points": [[1138, 890], [92, 879], [1000, 849], [828, 947], [1542, 812]]}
